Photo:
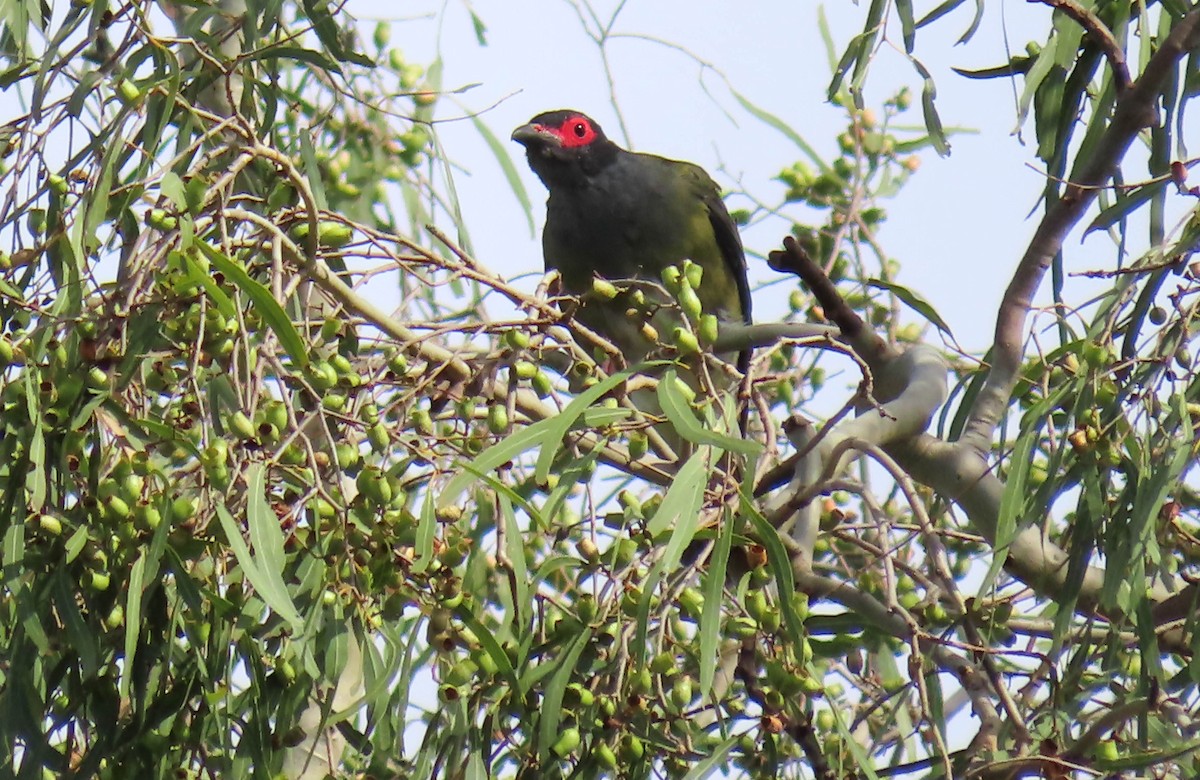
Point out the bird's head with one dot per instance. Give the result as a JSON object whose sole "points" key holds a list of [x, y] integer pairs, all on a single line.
{"points": [[564, 147]]}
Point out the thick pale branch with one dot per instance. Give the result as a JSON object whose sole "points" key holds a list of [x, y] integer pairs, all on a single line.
{"points": [[962, 475]]}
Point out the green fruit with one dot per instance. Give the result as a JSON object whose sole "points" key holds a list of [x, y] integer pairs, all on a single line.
{"points": [[183, 508], [334, 234], [542, 385], [685, 341], [632, 748], [379, 437], [330, 233], [321, 375], [604, 288], [275, 414], [682, 692], [497, 419], [566, 743], [516, 338], [128, 92], [605, 757], [160, 219], [115, 618], [50, 524], [241, 426], [383, 34], [690, 303], [347, 455]]}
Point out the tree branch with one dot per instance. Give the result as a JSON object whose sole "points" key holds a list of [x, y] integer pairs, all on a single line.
{"points": [[1134, 111], [1100, 35]]}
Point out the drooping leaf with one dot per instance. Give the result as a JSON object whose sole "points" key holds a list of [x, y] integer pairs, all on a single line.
{"points": [[914, 302]]}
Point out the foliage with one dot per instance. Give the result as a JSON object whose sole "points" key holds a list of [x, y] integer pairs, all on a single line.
{"points": [[260, 516]]}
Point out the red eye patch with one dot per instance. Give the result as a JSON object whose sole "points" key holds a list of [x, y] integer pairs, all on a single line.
{"points": [[576, 131]]}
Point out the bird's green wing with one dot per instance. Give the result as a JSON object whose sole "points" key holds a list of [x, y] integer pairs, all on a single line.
{"points": [[728, 240]]}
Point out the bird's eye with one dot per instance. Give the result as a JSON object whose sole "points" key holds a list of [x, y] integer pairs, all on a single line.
{"points": [[580, 129]]}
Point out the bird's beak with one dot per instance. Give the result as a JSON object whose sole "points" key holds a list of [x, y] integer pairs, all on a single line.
{"points": [[535, 135]]}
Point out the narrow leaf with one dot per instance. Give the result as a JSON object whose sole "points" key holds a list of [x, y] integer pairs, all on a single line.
{"points": [[908, 28], [551, 706], [679, 412], [268, 585], [915, 302], [775, 122], [710, 616], [264, 302], [500, 152]]}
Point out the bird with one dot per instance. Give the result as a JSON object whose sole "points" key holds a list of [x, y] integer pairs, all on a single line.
{"points": [[625, 216]]}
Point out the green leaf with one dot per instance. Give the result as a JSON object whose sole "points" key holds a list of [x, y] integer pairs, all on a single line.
{"points": [[714, 596], [937, 13], [781, 567], [426, 533], [75, 544], [915, 302], [1126, 203], [14, 74], [133, 620], [686, 424], [172, 186], [551, 706], [317, 59], [312, 172], [1011, 503], [35, 482], [267, 583], [867, 41], [1034, 77], [908, 27], [684, 496], [82, 639], [330, 34], [1015, 67], [485, 463], [933, 123], [972, 28], [199, 276], [712, 763], [514, 547], [783, 127], [265, 533], [490, 646], [561, 423], [264, 302], [480, 29], [680, 511], [14, 556], [500, 152]]}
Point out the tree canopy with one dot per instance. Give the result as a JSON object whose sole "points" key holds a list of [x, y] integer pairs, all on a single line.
{"points": [[295, 484]]}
